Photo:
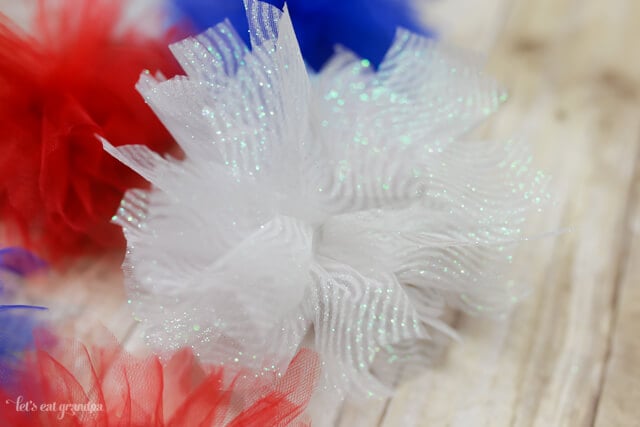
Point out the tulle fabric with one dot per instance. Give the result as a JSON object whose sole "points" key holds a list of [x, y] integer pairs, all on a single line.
{"points": [[20, 262], [18, 322], [346, 207], [366, 27], [72, 77], [104, 386]]}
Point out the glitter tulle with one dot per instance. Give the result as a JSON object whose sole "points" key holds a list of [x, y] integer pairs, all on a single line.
{"points": [[365, 26], [344, 207]]}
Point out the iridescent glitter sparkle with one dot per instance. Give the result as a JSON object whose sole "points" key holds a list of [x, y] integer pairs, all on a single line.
{"points": [[344, 206]]}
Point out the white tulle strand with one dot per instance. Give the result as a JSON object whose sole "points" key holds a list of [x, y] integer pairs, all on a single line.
{"points": [[344, 208]]}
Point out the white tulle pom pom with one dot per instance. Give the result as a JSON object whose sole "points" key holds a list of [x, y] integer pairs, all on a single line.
{"points": [[342, 207]]}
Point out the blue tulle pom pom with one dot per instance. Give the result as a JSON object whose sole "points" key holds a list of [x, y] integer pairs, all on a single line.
{"points": [[366, 27], [17, 321]]}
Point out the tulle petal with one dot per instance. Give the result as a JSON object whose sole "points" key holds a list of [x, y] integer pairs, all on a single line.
{"points": [[365, 26], [346, 207], [20, 261], [290, 395], [17, 321], [68, 79], [106, 386]]}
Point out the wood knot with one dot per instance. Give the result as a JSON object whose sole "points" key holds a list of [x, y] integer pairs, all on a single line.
{"points": [[618, 84], [527, 45], [561, 114]]}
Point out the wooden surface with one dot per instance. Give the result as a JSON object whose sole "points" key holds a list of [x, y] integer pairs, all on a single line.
{"points": [[570, 354]]}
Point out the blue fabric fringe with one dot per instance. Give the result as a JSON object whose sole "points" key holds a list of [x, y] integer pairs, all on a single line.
{"points": [[17, 321], [366, 27]]}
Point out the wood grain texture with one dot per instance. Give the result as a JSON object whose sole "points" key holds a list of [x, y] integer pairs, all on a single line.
{"points": [[570, 354]]}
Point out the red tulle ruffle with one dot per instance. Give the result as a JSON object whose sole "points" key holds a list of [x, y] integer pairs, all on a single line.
{"points": [[70, 78], [79, 386]]}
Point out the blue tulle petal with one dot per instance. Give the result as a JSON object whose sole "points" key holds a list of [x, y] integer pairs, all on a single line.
{"points": [[17, 321], [365, 26], [20, 261], [17, 325]]}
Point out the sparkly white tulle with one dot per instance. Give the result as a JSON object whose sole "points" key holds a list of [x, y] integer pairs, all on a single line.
{"points": [[342, 208]]}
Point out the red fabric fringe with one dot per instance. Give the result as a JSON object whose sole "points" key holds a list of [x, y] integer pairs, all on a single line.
{"points": [[72, 78], [77, 386]]}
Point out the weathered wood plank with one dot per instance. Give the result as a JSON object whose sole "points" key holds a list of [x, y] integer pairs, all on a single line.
{"points": [[574, 97], [620, 393]]}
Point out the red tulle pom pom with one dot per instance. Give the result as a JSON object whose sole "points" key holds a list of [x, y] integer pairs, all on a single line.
{"points": [[72, 77], [104, 386]]}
